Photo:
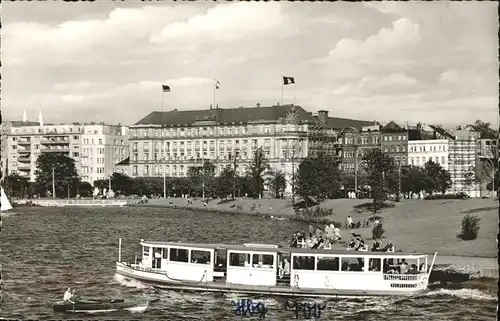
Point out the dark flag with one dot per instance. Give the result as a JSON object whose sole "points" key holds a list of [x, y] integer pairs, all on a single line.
{"points": [[165, 88], [288, 80], [217, 84]]}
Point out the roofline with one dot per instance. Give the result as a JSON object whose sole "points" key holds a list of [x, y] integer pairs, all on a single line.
{"points": [[291, 250]]}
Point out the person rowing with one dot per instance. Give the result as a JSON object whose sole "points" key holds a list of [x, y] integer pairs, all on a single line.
{"points": [[68, 295]]}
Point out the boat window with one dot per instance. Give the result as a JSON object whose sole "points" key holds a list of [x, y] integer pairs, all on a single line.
{"points": [[145, 250], [157, 252], [375, 265], [303, 262], [165, 253], [353, 264], [178, 255], [200, 257], [239, 259], [326, 263], [263, 261]]}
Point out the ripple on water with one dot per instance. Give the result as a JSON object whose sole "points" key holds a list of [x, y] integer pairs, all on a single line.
{"points": [[47, 249]]}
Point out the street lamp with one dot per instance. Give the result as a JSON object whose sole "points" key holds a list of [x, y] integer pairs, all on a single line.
{"points": [[492, 173]]}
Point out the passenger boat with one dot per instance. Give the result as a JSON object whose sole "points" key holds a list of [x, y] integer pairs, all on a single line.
{"points": [[254, 269], [98, 305]]}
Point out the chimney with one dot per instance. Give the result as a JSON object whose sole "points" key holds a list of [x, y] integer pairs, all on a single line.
{"points": [[323, 116], [40, 118], [217, 106], [258, 105], [25, 116], [210, 106], [278, 103]]}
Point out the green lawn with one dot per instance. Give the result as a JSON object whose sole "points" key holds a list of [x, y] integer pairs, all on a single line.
{"points": [[429, 226], [412, 225]]}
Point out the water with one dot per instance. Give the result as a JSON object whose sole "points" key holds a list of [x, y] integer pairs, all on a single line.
{"points": [[45, 250]]}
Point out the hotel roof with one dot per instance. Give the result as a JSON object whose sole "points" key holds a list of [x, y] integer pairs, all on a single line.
{"points": [[225, 116], [245, 115]]}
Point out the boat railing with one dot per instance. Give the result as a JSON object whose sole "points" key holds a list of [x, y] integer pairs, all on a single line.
{"points": [[402, 277]]}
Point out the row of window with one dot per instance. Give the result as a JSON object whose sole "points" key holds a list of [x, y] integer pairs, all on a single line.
{"points": [[179, 255], [205, 144], [395, 149], [375, 140], [211, 131], [424, 148], [90, 170], [423, 160], [389, 138]]}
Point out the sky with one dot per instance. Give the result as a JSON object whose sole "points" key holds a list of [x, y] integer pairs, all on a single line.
{"points": [[434, 62]]}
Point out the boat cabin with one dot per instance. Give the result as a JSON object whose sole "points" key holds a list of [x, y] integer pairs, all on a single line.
{"points": [[262, 265]]}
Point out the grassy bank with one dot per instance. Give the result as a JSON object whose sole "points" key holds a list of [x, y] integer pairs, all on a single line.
{"points": [[412, 225]]}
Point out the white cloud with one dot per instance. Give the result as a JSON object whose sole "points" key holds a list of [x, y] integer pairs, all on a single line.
{"points": [[226, 22], [402, 33]]}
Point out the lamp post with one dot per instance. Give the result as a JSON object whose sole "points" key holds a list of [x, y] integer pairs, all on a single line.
{"points": [[492, 173], [53, 184]]}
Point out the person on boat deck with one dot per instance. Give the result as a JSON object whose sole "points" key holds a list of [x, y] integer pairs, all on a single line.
{"points": [[349, 221], [285, 268], [68, 295], [311, 230], [376, 246], [403, 267]]}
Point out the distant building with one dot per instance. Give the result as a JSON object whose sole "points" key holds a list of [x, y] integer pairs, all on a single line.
{"points": [[169, 143], [421, 151], [462, 162], [355, 142], [94, 147], [394, 142], [486, 155]]}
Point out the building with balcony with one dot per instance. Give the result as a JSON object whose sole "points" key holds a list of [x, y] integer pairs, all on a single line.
{"points": [[169, 143], [94, 147]]}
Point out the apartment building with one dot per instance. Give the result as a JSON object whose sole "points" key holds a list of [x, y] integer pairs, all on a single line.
{"points": [[94, 147], [486, 155], [170, 142], [421, 151], [102, 146], [462, 160], [394, 142], [355, 142]]}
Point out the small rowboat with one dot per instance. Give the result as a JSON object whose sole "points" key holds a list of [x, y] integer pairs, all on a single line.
{"points": [[94, 306]]}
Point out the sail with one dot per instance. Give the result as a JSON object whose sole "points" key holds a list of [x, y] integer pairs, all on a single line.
{"points": [[5, 204]]}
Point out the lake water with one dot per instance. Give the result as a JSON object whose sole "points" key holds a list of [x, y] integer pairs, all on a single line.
{"points": [[45, 250]]}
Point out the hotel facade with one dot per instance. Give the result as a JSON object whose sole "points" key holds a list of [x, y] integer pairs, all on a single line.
{"points": [[169, 143], [94, 147]]}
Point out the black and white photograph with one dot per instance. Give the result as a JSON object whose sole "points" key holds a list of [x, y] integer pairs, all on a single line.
{"points": [[244, 160]]}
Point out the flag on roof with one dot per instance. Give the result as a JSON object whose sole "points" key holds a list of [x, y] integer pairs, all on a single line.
{"points": [[165, 88], [217, 84], [288, 80]]}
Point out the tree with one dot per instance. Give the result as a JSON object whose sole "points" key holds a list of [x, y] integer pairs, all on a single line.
{"points": [[121, 183], [224, 186], [381, 176], [484, 129], [258, 168], [17, 185], [438, 179], [65, 174], [413, 180], [277, 183], [201, 178], [318, 178]]}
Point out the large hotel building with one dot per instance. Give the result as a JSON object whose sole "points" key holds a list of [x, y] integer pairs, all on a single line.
{"points": [[95, 147], [169, 143]]}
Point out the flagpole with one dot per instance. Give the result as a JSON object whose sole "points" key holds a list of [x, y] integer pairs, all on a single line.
{"points": [[215, 85], [163, 148], [282, 85]]}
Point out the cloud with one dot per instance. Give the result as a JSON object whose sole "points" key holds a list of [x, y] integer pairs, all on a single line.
{"points": [[402, 33], [226, 22]]}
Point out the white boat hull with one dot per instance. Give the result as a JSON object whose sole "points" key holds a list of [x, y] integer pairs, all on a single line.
{"points": [[159, 278]]}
